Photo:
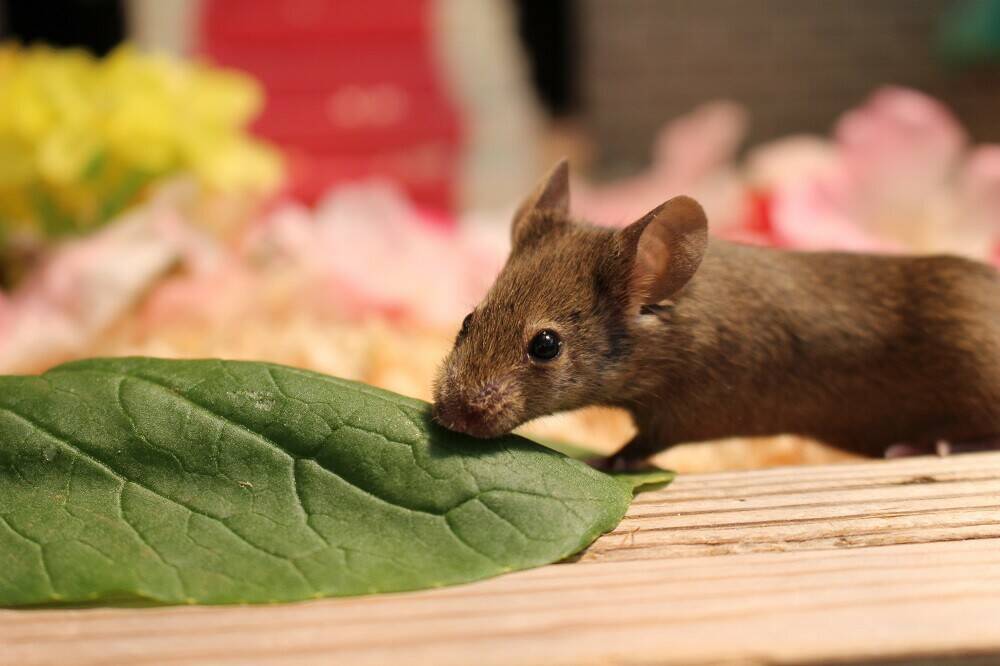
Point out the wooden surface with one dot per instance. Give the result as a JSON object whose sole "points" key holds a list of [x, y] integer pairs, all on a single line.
{"points": [[884, 560]]}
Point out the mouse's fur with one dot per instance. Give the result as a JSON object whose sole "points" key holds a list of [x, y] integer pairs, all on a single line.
{"points": [[702, 340]]}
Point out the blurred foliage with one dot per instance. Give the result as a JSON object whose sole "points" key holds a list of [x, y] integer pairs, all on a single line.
{"points": [[970, 33], [82, 138]]}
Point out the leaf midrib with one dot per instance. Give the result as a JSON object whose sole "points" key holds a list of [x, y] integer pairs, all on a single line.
{"points": [[267, 441]]}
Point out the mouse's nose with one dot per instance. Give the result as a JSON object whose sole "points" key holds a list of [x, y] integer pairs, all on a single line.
{"points": [[485, 399], [468, 416], [455, 416]]}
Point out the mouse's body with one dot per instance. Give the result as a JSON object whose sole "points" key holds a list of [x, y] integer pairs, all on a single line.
{"points": [[702, 340], [858, 351]]}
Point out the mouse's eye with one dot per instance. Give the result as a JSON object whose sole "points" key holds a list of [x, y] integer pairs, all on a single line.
{"points": [[545, 346], [462, 332]]}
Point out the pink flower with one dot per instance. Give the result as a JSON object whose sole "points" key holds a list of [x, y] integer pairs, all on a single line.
{"points": [[900, 178], [899, 145], [693, 155], [979, 191], [86, 285], [367, 251]]}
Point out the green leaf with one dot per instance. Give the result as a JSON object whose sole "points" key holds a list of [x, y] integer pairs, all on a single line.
{"points": [[637, 481], [122, 194], [143, 480], [95, 167], [55, 222], [642, 481], [567, 449]]}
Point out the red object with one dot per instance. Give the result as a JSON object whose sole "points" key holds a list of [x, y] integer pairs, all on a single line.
{"points": [[759, 213], [756, 225], [352, 90]]}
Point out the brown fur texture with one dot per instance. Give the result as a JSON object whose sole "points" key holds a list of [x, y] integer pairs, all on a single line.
{"points": [[859, 351]]}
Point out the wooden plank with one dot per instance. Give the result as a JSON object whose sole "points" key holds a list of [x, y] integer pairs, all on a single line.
{"points": [[890, 559]]}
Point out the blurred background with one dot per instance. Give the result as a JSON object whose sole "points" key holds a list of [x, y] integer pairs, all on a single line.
{"points": [[328, 183]]}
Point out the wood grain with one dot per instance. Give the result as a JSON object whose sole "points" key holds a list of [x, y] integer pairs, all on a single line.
{"points": [[860, 562]]}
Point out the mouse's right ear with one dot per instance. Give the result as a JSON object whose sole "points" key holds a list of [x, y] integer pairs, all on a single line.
{"points": [[546, 206]]}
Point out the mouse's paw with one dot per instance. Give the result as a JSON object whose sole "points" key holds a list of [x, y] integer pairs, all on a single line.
{"points": [[633, 457], [619, 463]]}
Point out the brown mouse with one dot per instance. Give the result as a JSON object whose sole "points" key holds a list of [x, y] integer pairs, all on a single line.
{"points": [[702, 339]]}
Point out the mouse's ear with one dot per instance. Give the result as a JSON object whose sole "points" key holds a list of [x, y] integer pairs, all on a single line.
{"points": [[551, 196], [666, 247]]}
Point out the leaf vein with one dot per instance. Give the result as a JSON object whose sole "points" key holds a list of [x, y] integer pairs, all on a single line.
{"points": [[41, 552], [272, 444], [123, 479]]}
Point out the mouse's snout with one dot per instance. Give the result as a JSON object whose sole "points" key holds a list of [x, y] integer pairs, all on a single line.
{"points": [[484, 412], [456, 417]]}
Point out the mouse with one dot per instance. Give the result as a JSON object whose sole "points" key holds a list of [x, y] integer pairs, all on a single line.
{"points": [[699, 338]]}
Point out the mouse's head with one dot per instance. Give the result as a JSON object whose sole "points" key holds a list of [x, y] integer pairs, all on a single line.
{"points": [[559, 326]]}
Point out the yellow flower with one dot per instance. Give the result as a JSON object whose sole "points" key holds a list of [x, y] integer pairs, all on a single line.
{"points": [[17, 163], [140, 132], [224, 99], [66, 153], [234, 163], [84, 130]]}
